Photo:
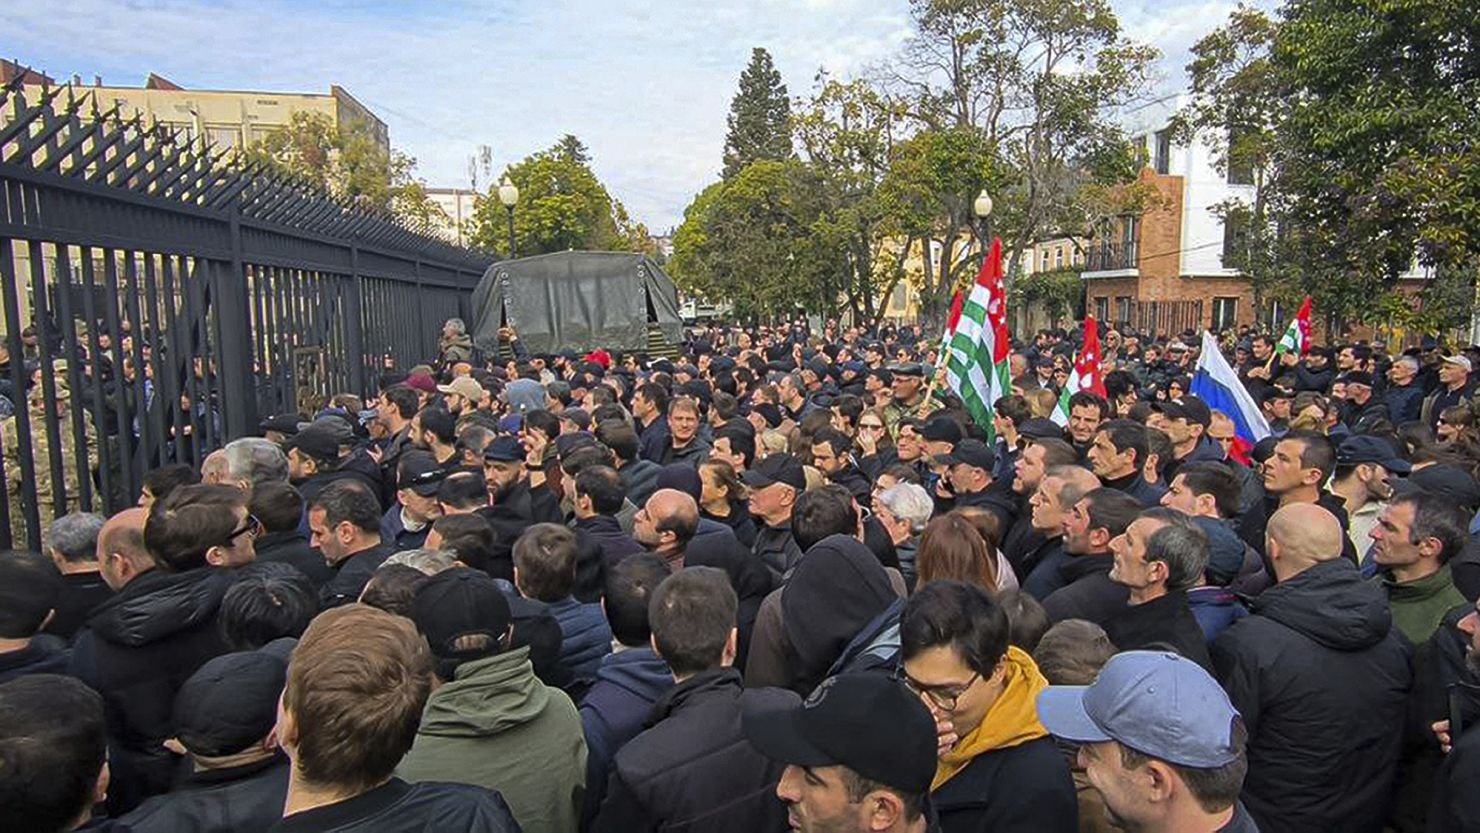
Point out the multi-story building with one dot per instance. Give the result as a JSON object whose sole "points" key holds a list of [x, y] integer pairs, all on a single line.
{"points": [[228, 118], [1163, 270], [458, 204]]}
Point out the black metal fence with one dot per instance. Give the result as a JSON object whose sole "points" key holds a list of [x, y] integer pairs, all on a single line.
{"points": [[1160, 318], [161, 296]]}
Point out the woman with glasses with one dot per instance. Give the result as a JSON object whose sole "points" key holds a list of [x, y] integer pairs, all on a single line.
{"points": [[875, 446]]}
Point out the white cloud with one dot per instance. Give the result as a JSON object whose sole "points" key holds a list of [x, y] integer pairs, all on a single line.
{"points": [[646, 86]]}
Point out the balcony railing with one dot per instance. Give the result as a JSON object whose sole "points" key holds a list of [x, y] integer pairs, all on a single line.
{"points": [[1105, 256]]}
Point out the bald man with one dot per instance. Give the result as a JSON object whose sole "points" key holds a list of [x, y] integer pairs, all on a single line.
{"points": [[665, 525], [1320, 676]]}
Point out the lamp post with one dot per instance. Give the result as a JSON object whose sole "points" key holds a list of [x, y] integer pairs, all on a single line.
{"points": [[982, 208], [508, 194]]}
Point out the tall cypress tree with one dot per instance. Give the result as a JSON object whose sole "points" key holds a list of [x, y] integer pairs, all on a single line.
{"points": [[760, 116]]}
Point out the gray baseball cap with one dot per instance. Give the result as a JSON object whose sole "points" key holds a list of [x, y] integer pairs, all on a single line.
{"points": [[1157, 703]]}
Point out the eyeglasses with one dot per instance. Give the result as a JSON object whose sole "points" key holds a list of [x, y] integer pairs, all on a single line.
{"points": [[944, 697], [870, 426], [251, 526]]}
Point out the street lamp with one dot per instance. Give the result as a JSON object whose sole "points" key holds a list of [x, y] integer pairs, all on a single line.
{"points": [[982, 207], [508, 194]]}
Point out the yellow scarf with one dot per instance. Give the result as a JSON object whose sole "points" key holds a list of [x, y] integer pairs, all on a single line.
{"points": [[1011, 721]]}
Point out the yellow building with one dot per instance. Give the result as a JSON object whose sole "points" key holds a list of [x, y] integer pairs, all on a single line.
{"points": [[228, 118]]}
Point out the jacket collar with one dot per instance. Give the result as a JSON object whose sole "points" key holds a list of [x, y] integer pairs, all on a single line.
{"points": [[722, 682], [347, 812]]}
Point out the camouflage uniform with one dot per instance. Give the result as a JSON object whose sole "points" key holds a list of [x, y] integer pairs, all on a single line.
{"points": [[40, 444]]}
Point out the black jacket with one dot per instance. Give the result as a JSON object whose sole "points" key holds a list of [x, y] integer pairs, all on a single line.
{"points": [[997, 498], [1149, 494], [639, 480], [46, 654], [1320, 676], [1160, 624], [351, 575], [1455, 804], [81, 592], [739, 522], [292, 548], [515, 512], [1088, 592], [138, 649], [600, 544], [777, 549], [693, 769], [399, 807], [1255, 520], [852, 478], [236, 800], [1021, 789]]}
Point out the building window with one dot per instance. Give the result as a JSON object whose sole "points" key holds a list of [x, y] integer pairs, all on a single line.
{"points": [[224, 137], [1102, 308], [1161, 157], [1122, 310], [1058, 258], [1043, 261], [1235, 240], [1225, 313]]}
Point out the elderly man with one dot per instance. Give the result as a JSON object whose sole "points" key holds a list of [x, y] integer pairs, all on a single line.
{"points": [[903, 510], [72, 543], [775, 483], [1404, 394], [1321, 677], [1455, 388]]}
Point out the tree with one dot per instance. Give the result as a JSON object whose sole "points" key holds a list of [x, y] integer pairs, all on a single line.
{"points": [[347, 163], [760, 117], [562, 206], [1033, 85]]}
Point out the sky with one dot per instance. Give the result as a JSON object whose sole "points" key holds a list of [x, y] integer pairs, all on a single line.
{"points": [[645, 85]]}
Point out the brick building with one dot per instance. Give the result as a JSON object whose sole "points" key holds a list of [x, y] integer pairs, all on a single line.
{"points": [[1163, 270]]}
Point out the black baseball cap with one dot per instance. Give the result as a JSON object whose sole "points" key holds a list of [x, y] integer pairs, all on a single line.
{"points": [[318, 441], [941, 429], [777, 468], [769, 412], [1356, 377], [286, 424], [1190, 408], [505, 449], [836, 726], [458, 603], [419, 472], [971, 452], [1445, 480], [1365, 448], [229, 703]]}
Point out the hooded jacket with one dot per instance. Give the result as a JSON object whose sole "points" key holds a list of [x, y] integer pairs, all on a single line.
{"points": [[1006, 775], [1320, 676], [496, 725], [613, 711], [836, 589], [692, 769], [138, 649], [1215, 609]]}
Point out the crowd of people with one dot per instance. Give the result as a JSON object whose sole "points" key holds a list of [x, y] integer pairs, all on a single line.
{"points": [[782, 580]]}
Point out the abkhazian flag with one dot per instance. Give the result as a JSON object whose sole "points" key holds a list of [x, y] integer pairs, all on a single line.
{"points": [[1088, 373], [976, 364], [1297, 336]]}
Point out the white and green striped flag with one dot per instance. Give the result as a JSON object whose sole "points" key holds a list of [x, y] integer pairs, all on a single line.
{"points": [[976, 366]]}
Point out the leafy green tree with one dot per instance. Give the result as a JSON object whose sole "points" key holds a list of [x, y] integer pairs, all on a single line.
{"points": [[562, 206], [347, 163], [760, 114]]}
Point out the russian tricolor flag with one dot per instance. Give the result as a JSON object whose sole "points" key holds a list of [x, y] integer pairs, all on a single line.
{"points": [[1217, 385]]}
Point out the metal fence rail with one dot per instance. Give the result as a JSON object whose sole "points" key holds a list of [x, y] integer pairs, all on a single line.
{"points": [[164, 296]]}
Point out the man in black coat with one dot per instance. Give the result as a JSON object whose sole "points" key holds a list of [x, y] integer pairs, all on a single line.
{"points": [[833, 456], [1321, 678], [1160, 556], [971, 464], [517, 504], [140, 646], [600, 541], [693, 769], [344, 523], [224, 717], [279, 508], [1455, 805], [28, 591], [1089, 526], [72, 542]]}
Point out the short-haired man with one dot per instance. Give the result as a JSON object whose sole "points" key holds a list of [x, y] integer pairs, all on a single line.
{"points": [[998, 768], [1089, 527], [1321, 678], [1033, 462], [1296, 472], [1404, 394], [224, 719], [139, 647], [1086, 412], [650, 410], [685, 444], [489, 721], [55, 754], [200, 526], [666, 524], [1412, 543], [1059, 489], [72, 543], [1118, 454], [279, 509], [545, 570], [1160, 742], [832, 454], [693, 769], [29, 587], [1364, 464], [1455, 388], [516, 503], [775, 483], [846, 772], [638, 474], [631, 679], [1158, 558], [356, 687], [971, 465], [1185, 422], [598, 498], [316, 460], [344, 524]]}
